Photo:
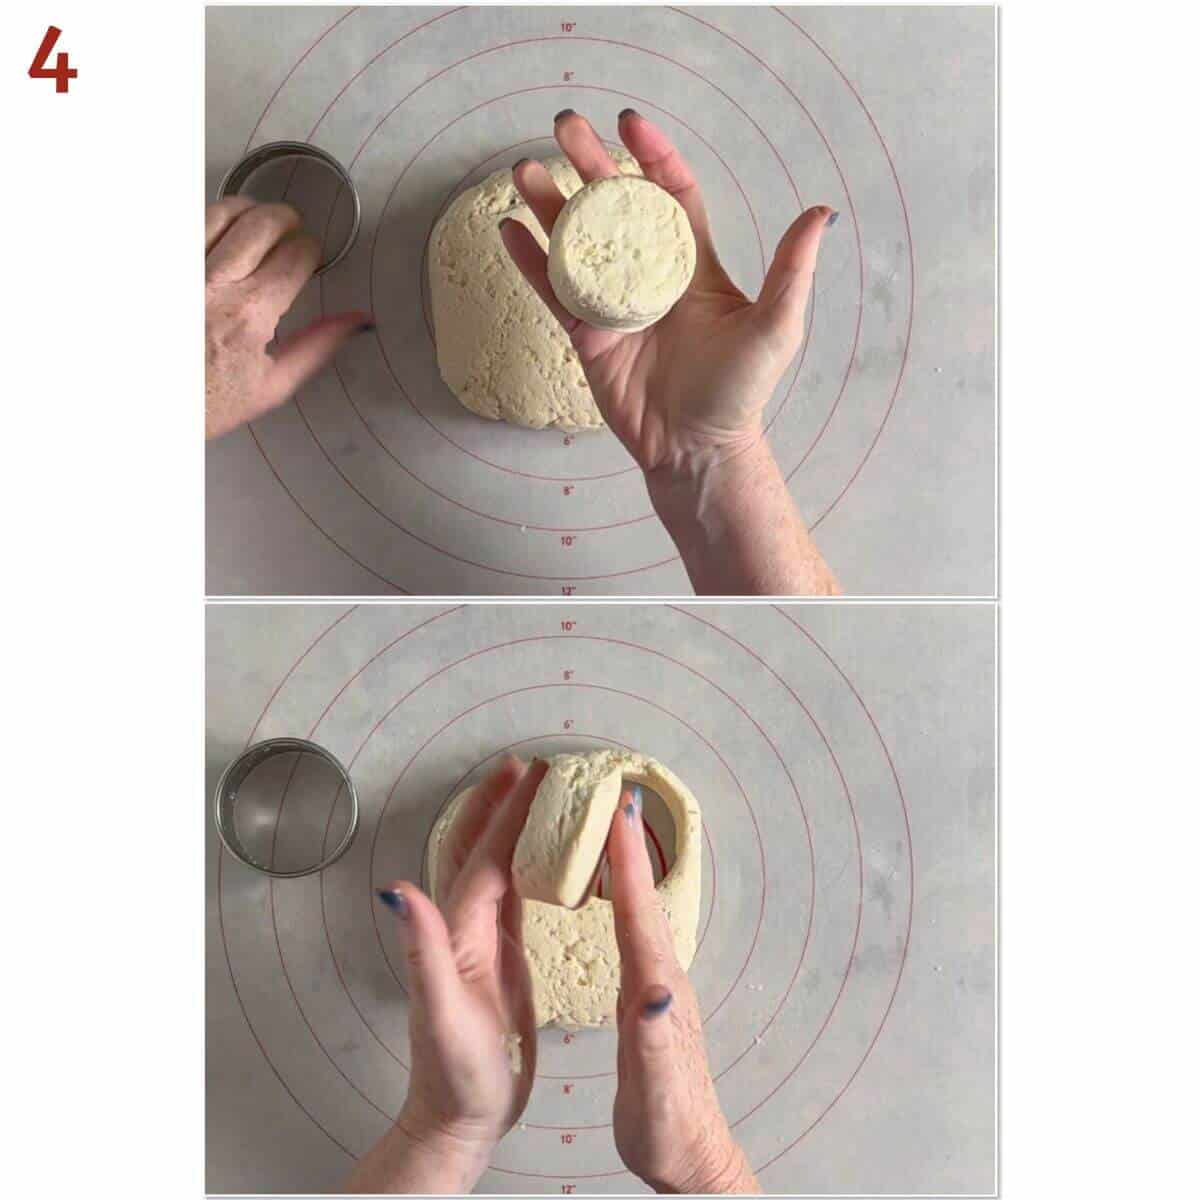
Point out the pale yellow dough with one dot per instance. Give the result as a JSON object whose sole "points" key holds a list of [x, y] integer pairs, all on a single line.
{"points": [[567, 827], [499, 349], [572, 954], [622, 252]]}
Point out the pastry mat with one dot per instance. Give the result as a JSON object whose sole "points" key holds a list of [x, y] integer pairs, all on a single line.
{"points": [[378, 481], [843, 764]]}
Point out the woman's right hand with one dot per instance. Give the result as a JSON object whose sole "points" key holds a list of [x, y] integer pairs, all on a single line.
{"points": [[689, 391], [686, 396], [667, 1122]]}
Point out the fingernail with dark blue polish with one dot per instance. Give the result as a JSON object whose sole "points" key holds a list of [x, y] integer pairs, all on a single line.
{"points": [[634, 807], [627, 112], [366, 327], [657, 1006], [395, 901], [566, 112], [832, 219], [519, 162]]}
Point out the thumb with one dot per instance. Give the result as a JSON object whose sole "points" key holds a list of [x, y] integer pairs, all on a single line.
{"points": [[301, 355], [430, 967], [784, 295]]}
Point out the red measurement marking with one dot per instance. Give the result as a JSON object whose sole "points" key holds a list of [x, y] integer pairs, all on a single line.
{"points": [[568, 675], [567, 1139], [568, 440], [567, 1087], [62, 72], [568, 27], [568, 589], [568, 1038], [567, 626], [569, 489], [568, 724], [568, 1189], [568, 76], [568, 539]]}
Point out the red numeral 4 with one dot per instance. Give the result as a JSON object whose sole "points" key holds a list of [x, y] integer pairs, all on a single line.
{"points": [[62, 72]]}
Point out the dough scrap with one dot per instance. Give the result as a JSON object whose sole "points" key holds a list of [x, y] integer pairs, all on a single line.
{"points": [[564, 834], [573, 960], [499, 349], [622, 252]]}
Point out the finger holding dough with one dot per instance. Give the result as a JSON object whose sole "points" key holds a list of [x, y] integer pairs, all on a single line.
{"points": [[583, 147], [539, 191], [474, 901], [473, 819], [662, 163], [643, 936]]}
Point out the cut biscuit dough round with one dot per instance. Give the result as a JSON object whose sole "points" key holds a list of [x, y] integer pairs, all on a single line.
{"points": [[499, 348], [574, 964], [564, 835], [622, 252]]}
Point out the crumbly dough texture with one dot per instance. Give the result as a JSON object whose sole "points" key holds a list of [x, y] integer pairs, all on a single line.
{"points": [[573, 959], [621, 253], [499, 349], [564, 834]]}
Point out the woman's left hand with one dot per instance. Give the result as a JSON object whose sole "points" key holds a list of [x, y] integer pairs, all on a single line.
{"points": [[469, 992]]}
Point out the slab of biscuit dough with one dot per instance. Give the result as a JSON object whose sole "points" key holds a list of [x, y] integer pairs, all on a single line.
{"points": [[622, 252], [573, 960], [564, 835], [498, 348]]}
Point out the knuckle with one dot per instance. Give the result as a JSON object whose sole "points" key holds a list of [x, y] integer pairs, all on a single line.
{"points": [[284, 215], [307, 246], [269, 218]]}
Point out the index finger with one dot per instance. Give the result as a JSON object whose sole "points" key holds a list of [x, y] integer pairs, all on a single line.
{"points": [[487, 874], [661, 163], [583, 147], [218, 217], [472, 820], [643, 937], [285, 272]]}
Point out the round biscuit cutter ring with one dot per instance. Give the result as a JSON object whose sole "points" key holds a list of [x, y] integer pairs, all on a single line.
{"points": [[234, 775], [237, 175]]}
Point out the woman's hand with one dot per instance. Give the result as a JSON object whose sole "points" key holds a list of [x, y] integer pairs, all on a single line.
{"points": [[686, 396], [469, 993], [667, 1121], [256, 263], [695, 384]]}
